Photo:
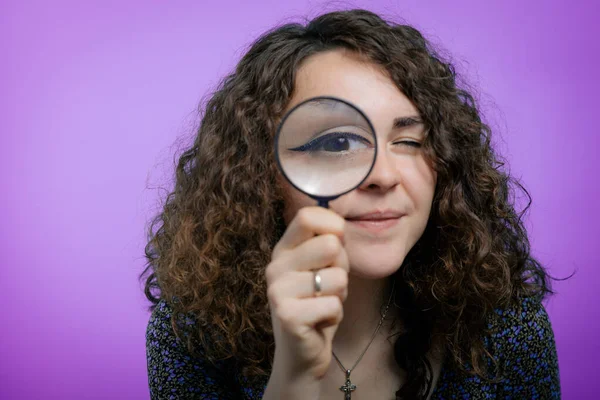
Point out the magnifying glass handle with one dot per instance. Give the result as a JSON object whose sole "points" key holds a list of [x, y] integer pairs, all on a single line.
{"points": [[323, 203]]}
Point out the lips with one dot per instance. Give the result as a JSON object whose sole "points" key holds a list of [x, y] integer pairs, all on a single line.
{"points": [[375, 221], [375, 215]]}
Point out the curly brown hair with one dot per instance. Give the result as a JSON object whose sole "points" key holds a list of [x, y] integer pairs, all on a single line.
{"points": [[208, 248]]}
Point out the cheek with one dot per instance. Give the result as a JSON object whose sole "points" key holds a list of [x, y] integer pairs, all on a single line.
{"points": [[294, 200], [419, 180]]}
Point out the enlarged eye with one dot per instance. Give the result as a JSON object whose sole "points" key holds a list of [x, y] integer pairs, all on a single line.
{"points": [[335, 142]]}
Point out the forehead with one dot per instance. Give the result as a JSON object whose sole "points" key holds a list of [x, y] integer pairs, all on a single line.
{"points": [[342, 74]]}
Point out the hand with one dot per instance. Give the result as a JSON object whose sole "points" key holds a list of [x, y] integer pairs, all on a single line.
{"points": [[304, 325]]}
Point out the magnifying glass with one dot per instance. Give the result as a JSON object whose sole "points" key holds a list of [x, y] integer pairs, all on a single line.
{"points": [[325, 147]]}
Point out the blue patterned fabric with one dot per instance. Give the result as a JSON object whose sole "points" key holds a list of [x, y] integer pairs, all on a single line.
{"points": [[521, 341]]}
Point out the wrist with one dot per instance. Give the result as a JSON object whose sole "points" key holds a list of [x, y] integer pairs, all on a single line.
{"points": [[291, 386]]}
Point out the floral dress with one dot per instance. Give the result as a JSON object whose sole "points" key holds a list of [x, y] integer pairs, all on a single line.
{"points": [[521, 340]]}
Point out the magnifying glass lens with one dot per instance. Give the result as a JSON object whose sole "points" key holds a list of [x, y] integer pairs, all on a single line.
{"points": [[326, 147]]}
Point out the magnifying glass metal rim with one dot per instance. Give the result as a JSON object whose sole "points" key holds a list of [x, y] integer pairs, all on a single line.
{"points": [[323, 200]]}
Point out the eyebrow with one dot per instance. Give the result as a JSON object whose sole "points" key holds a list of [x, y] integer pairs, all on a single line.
{"points": [[326, 103], [402, 122]]}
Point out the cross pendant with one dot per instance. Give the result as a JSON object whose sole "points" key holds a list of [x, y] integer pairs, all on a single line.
{"points": [[348, 387]]}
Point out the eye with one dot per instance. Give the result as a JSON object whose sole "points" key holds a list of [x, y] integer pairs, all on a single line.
{"points": [[409, 143], [335, 142]]}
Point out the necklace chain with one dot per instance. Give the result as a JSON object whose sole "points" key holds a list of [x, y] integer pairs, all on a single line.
{"points": [[349, 371]]}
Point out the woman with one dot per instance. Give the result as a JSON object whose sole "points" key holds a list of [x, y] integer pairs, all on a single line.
{"points": [[418, 284]]}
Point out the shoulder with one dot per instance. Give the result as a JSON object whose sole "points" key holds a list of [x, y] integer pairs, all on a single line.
{"points": [[173, 371], [520, 326], [521, 340], [160, 332], [160, 322], [160, 319]]}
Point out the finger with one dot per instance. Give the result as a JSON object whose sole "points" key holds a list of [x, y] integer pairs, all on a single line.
{"points": [[308, 222], [316, 253], [323, 311], [334, 282]]}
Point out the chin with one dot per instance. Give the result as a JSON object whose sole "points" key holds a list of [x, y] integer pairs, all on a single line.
{"points": [[375, 263]]}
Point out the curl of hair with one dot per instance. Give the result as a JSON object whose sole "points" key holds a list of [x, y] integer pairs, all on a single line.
{"points": [[208, 248]]}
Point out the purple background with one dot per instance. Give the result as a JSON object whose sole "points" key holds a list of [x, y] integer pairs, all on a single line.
{"points": [[94, 95]]}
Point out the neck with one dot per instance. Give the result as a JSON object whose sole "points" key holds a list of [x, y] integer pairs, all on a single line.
{"points": [[367, 299]]}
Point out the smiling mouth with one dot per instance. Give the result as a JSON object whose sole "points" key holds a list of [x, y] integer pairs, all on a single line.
{"points": [[374, 225]]}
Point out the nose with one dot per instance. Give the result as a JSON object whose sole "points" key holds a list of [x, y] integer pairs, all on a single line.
{"points": [[384, 174]]}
